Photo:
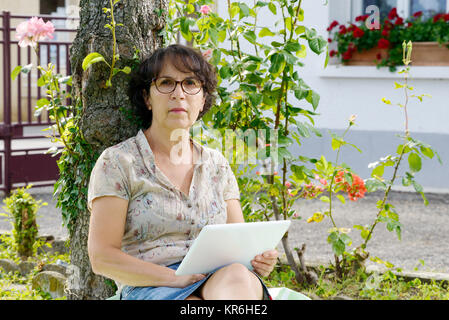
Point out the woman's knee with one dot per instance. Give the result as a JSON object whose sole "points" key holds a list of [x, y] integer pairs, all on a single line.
{"points": [[233, 277]]}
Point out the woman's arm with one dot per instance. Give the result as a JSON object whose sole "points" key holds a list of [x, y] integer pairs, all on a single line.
{"points": [[263, 263], [106, 229], [234, 211]]}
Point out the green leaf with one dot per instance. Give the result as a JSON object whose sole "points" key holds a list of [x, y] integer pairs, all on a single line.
{"points": [[417, 186], [337, 143], [414, 162], [250, 36], [272, 8], [126, 70], [378, 171], [317, 45], [341, 198], [42, 102], [427, 152], [292, 46], [277, 64], [92, 58], [302, 130], [244, 10], [15, 72], [41, 81], [313, 98], [265, 32], [300, 29], [325, 199]]}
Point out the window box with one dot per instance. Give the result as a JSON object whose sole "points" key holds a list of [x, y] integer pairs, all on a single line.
{"points": [[361, 44], [423, 54]]}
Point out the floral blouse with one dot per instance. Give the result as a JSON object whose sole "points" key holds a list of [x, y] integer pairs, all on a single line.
{"points": [[162, 222]]}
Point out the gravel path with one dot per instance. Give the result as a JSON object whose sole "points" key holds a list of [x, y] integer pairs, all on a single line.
{"points": [[425, 232]]}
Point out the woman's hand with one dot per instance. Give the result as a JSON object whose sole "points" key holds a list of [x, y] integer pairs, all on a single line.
{"points": [[187, 280], [264, 263]]}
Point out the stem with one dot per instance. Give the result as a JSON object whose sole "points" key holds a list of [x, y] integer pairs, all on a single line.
{"points": [[255, 28], [114, 44], [406, 102], [245, 100], [333, 178], [397, 163], [385, 198]]}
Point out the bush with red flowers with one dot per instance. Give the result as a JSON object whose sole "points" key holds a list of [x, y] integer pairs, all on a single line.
{"points": [[392, 32]]}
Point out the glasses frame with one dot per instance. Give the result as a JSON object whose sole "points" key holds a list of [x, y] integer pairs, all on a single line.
{"points": [[176, 85]]}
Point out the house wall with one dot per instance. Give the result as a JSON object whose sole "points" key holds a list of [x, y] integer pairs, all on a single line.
{"points": [[347, 90]]}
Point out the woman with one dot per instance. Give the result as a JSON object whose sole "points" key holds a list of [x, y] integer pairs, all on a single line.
{"points": [[148, 204]]}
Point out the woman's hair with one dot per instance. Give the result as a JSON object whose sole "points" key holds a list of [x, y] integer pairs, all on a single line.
{"points": [[183, 58]]}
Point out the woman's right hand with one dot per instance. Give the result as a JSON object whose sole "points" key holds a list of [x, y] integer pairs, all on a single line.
{"points": [[187, 280]]}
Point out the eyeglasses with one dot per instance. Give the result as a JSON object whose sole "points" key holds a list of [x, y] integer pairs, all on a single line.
{"points": [[190, 86]]}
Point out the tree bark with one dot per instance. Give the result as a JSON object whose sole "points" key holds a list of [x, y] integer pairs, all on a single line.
{"points": [[103, 123]]}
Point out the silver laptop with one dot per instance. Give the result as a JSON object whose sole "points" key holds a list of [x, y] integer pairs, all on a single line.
{"points": [[219, 245]]}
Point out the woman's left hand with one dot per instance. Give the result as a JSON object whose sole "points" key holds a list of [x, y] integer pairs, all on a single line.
{"points": [[264, 263]]}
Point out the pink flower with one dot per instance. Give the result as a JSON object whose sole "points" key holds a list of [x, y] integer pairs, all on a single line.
{"points": [[205, 9], [33, 30], [288, 184], [323, 182], [207, 54]]}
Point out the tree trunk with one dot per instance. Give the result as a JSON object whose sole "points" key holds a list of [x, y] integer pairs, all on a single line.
{"points": [[105, 120]]}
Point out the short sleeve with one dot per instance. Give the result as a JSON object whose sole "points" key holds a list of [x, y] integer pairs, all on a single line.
{"points": [[231, 187], [107, 178]]}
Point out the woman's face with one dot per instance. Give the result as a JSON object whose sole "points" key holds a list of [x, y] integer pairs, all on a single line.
{"points": [[163, 105]]}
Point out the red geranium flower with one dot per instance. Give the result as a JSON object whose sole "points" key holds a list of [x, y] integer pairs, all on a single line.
{"points": [[393, 14], [332, 53], [357, 32], [385, 32], [383, 43], [343, 30], [409, 25], [332, 25], [399, 21], [417, 14], [446, 17], [362, 18], [438, 17], [378, 56], [347, 55]]}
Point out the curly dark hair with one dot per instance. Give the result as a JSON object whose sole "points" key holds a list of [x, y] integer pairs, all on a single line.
{"points": [[183, 58]]}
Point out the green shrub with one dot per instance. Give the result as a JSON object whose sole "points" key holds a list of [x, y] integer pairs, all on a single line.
{"points": [[22, 209]]}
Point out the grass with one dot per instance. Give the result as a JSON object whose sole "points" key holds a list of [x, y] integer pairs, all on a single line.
{"points": [[361, 286], [18, 287]]}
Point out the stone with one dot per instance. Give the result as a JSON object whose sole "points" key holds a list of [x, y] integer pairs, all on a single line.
{"points": [[26, 267], [46, 238], [55, 267], [9, 266], [56, 246], [341, 297], [51, 282]]}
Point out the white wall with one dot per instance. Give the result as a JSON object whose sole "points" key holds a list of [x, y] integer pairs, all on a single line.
{"points": [[347, 90]]}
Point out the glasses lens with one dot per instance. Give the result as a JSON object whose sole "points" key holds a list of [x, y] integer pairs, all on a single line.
{"points": [[191, 86], [165, 85]]}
